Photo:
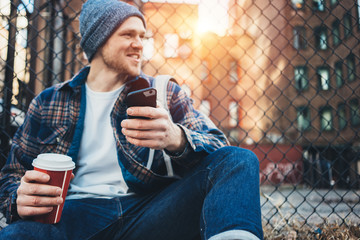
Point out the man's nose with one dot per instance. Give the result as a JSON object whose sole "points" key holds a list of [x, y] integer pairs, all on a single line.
{"points": [[137, 43]]}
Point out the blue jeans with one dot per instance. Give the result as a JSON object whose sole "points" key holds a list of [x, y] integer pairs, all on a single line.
{"points": [[218, 195]]}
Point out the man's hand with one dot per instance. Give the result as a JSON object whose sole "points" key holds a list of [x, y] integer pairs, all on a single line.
{"points": [[34, 196], [157, 132]]}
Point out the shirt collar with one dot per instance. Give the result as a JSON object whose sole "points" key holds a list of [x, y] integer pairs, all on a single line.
{"points": [[77, 80], [80, 78]]}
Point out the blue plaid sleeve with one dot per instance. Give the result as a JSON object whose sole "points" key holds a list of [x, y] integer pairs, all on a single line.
{"points": [[23, 147], [201, 133]]}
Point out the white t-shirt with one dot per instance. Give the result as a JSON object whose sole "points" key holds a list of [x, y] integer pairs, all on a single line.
{"points": [[99, 173]]}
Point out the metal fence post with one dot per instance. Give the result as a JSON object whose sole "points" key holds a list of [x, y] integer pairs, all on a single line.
{"points": [[9, 75]]}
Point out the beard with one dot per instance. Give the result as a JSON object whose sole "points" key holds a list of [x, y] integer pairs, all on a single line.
{"points": [[116, 64]]}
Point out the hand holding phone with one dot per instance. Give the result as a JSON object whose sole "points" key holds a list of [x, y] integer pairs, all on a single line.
{"points": [[141, 98]]}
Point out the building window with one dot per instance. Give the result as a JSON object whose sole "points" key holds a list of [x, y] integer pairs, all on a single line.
{"points": [[326, 119], [358, 12], [323, 75], [336, 32], [171, 45], [355, 112], [347, 25], [149, 49], [303, 118], [21, 37], [299, 37], [350, 64], [321, 41], [341, 116], [297, 4], [205, 107], [204, 70], [339, 74], [319, 5], [301, 78], [234, 71], [233, 114], [185, 49]]}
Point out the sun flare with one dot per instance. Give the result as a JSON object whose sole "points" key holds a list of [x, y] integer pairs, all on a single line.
{"points": [[213, 16]]}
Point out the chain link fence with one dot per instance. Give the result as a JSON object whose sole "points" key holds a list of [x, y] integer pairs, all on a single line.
{"points": [[278, 77]]}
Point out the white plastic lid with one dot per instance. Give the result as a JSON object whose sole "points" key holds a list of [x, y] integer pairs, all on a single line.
{"points": [[53, 162]]}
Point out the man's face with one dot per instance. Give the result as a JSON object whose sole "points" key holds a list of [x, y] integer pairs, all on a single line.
{"points": [[122, 52]]}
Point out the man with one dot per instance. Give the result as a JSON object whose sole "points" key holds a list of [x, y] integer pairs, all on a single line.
{"points": [[213, 193]]}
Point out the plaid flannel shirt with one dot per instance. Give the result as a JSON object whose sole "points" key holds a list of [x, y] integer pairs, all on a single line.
{"points": [[54, 123]]}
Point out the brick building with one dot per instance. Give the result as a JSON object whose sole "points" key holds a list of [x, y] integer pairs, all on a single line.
{"points": [[284, 73]]}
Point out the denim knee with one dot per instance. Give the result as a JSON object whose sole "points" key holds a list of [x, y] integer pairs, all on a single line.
{"points": [[233, 198], [232, 156]]}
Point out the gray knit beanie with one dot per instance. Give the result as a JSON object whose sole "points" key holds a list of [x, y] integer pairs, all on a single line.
{"points": [[99, 19]]}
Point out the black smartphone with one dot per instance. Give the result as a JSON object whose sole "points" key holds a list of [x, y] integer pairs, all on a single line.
{"points": [[142, 97]]}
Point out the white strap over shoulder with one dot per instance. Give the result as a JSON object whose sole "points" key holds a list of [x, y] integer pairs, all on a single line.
{"points": [[160, 84]]}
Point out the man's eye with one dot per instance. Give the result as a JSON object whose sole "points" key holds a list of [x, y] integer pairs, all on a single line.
{"points": [[127, 35]]}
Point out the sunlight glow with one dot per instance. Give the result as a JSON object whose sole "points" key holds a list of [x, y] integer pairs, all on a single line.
{"points": [[174, 1], [213, 16]]}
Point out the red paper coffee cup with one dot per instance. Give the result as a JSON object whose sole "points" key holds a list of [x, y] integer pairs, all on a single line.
{"points": [[59, 167]]}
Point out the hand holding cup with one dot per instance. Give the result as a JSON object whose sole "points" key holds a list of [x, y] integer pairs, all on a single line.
{"points": [[35, 196], [42, 192]]}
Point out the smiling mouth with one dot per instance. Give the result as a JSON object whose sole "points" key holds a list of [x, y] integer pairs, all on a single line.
{"points": [[134, 56]]}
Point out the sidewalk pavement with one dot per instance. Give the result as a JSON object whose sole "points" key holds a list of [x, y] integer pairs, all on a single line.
{"points": [[313, 206]]}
